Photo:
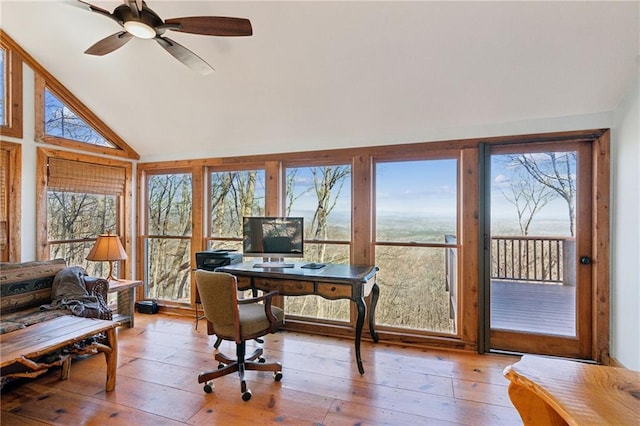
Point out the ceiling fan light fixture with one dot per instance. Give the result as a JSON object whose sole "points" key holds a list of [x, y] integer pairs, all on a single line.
{"points": [[139, 29]]}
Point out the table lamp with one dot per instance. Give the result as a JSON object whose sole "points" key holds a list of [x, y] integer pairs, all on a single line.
{"points": [[107, 249]]}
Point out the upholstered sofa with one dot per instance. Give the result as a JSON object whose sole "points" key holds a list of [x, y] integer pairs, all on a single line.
{"points": [[26, 293]]}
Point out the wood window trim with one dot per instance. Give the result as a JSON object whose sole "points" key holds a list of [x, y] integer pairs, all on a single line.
{"points": [[14, 179], [125, 208], [13, 96]]}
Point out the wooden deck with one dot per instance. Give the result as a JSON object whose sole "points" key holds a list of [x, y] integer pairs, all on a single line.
{"points": [[534, 308]]}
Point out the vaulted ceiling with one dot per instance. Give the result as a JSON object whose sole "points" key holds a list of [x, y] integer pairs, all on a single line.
{"points": [[330, 74]]}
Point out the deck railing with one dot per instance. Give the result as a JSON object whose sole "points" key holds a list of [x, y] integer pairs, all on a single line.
{"points": [[538, 259], [518, 258]]}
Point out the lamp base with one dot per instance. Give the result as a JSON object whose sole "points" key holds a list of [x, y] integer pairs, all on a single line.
{"points": [[110, 277]]}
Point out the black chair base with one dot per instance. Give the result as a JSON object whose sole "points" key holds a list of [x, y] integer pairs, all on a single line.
{"points": [[240, 364]]}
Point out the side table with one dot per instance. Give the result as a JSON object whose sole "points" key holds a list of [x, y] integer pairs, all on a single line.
{"points": [[126, 304]]}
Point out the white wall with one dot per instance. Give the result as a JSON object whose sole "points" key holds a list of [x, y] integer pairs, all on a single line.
{"points": [[625, 211], [28, 206]]}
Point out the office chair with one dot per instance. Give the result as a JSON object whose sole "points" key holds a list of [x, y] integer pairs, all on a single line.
{"points": [[237, 320]]}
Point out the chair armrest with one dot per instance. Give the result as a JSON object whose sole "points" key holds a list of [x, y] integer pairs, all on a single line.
{"points": [[97, 286]]}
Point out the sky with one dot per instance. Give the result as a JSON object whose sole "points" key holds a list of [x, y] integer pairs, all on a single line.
{"points": [[417, 188]]}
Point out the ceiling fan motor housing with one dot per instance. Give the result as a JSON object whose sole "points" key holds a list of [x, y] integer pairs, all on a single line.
{"points": [[143, 26]]}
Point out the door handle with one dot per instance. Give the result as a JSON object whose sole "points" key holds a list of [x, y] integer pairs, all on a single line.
{"points": [[585, 260]]}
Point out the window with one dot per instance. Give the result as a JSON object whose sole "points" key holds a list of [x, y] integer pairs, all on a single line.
{"points": [[232, 195], [167, 244], [322, 196], [74, 220], [416, 203], [61, 122], [11, 88], [61, 119], [84, 197]]}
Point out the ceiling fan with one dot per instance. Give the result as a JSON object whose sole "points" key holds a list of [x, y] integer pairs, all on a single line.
{"points": [[138, 20]]}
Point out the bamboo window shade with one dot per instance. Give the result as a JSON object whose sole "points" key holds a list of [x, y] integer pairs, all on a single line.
{"points": [[77, 176]]}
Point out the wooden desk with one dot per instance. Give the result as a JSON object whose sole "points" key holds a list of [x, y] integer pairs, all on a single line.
{"points": [[126, 300], [332, 282], [549, 391], [22, 349]]}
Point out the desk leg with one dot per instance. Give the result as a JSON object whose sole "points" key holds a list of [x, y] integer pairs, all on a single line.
{"points": [[362, 308], [375, 293]]}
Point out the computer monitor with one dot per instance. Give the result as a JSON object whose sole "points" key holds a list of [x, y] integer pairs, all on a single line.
{"points": [[273, 237]]}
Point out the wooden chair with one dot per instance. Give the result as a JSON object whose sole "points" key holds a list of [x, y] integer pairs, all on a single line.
{"points": [[237, 320]]}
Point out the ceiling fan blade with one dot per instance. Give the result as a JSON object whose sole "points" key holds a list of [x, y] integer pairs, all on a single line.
{"points": [[211, 25], [135, 10], [100, 10], [185, 56], [109, 44], [94, 8]]}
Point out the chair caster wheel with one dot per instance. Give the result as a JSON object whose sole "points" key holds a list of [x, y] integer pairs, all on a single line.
{"points": [[277, 376], [208, 387], [262, 360], [246, 395]]}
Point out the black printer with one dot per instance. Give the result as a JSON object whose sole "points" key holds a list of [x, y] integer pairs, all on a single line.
{"points": [[212, 259]]}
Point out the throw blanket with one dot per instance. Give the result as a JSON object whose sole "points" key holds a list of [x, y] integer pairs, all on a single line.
{"points": [[70, 292]]}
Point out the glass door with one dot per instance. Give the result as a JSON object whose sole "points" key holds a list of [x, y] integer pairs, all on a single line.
{"points": [[538, 246]]}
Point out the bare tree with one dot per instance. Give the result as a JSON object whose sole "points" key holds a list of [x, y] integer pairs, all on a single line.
{"points": [[556, 171], [73, 217], [61, 121], [233, 196], [169, 221], [220, 187], [291, 193], [327, 183], [528, 196]]}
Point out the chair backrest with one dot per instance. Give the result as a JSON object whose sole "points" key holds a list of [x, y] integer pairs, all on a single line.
{"points": [[219, 297]]}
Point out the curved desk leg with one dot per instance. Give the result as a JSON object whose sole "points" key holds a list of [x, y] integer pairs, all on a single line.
{"points": [[362, 308], [375, 293]]}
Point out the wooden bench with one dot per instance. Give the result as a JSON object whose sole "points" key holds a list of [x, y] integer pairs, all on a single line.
{"points": [[23, 351], [549, 391]]}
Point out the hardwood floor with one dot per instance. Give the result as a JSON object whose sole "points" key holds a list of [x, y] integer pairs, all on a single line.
{"points": [[160, 358]]}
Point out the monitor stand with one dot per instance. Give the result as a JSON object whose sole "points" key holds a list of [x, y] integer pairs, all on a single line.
{"points": [[273, 264]]}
